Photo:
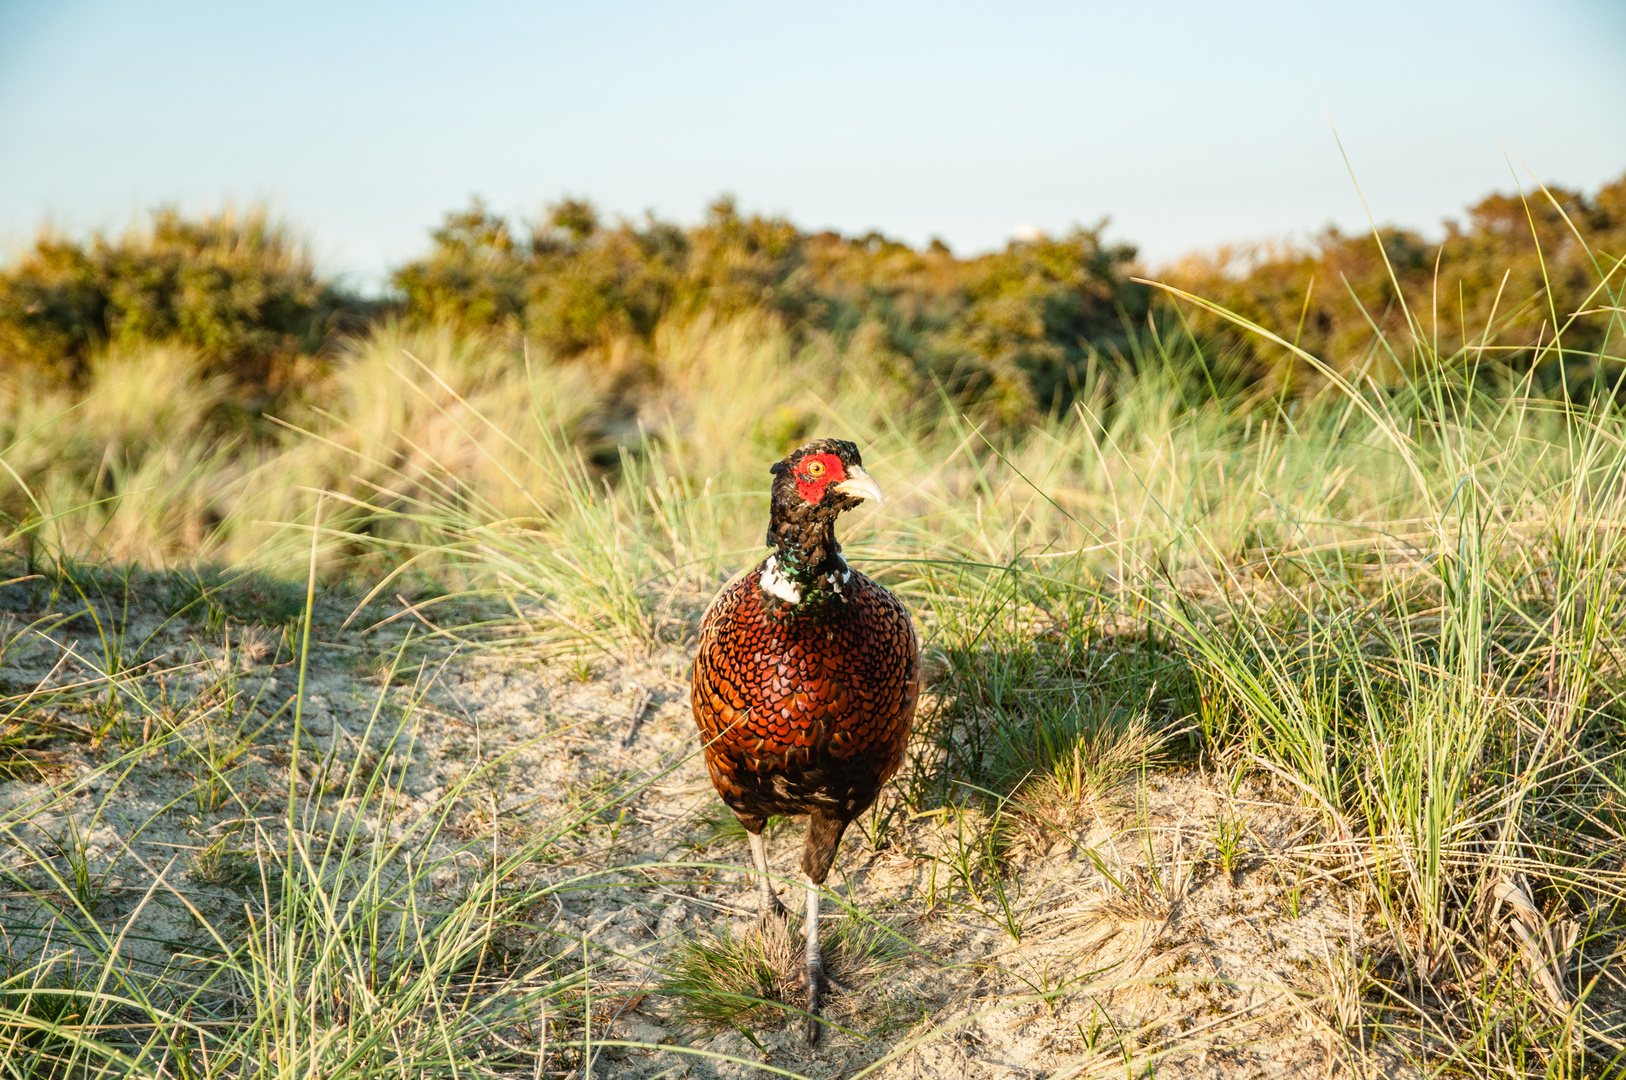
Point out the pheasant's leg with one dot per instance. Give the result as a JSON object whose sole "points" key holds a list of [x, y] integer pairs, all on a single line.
{"points": [[823, 837], [815, 967], [767, 902]]}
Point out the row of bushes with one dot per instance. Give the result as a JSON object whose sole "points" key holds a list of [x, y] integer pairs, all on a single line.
{"points": [[1519, 272], [1016, 329], [1014, 326]]}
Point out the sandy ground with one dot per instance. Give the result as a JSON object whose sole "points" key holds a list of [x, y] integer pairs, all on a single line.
{"points": [[1122, 941]]}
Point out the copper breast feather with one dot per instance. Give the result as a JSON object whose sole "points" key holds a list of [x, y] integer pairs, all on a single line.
{"points": [[821, 700]]}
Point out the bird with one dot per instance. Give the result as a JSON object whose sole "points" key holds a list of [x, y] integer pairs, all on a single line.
{"points": [[805, 682]]}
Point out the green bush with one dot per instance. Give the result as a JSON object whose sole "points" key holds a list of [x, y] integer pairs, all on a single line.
{"points": [[238, 291], [1521, 268], [1016, 325], [572, 282]]}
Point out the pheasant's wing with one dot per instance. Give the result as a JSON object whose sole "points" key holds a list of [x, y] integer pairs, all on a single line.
{"points": [[880, 679]]}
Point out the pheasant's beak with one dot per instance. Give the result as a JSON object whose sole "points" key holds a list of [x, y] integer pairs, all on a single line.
{"points": [[860, 485]]}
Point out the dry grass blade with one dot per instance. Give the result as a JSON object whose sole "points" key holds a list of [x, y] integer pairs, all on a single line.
{"points": [[1546, 948]]}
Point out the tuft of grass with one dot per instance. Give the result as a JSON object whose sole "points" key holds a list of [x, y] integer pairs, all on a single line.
{"points": [[1230, 831], [728, 981], [41, 1004], [225, 862], [719, 825], [725, 980], [1062, 753], [23, 742]]}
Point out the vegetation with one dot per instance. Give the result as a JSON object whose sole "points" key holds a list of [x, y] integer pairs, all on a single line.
{"points": [[321, 949], [237, 291], [1017, 331], [1394, 592], [723, 980], [1016, 327], [1517, 284]]}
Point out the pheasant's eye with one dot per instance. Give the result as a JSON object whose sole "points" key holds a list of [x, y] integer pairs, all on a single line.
{"points": [[815, 469]]}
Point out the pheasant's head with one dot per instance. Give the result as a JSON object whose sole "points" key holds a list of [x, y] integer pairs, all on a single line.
{"points": [[815, 482], [825, 475]]}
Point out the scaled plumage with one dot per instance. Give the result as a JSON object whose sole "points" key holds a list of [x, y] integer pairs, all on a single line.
{"points": [[806, 678]]}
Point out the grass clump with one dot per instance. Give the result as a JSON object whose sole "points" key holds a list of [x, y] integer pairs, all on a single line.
{"points": [[1061, 755], [25, 737], [41, 1005], [728, 980], [725, 980]]}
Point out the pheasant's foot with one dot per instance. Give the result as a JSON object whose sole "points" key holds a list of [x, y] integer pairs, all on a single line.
{"points": [[815, 983], [770, 907]]}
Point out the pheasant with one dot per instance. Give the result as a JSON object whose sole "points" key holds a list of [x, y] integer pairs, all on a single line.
{"points": [[806, 681]]}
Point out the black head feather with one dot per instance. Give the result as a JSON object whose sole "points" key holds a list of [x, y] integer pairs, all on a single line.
{"points": [[804, 534]]}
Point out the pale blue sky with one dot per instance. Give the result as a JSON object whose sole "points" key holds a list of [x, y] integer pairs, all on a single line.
{"points": [[1189, 124]]}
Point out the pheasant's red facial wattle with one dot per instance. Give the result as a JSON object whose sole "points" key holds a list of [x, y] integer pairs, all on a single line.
{"points": [[815, 473]]}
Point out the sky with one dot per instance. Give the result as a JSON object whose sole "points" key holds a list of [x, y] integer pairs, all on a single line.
{"points": [[1188, 124]]}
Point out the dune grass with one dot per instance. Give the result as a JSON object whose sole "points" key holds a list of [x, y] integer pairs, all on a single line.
{"points": [[1401, 599]]}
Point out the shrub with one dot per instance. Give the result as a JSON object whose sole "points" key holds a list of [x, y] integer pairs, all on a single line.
{"points": [[237, 291], [572, 282], [1516, 271], [1014, 326]]}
